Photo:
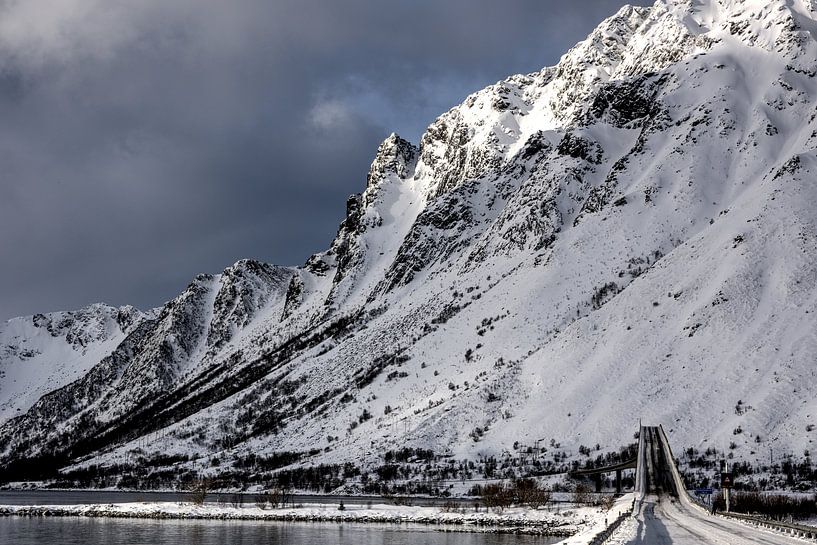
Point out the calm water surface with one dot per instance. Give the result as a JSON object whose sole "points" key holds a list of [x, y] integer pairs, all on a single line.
{"points": [[101, 531]]}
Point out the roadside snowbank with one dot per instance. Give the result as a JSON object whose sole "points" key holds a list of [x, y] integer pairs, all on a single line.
{"points": [[599, 522], [514, 520]]}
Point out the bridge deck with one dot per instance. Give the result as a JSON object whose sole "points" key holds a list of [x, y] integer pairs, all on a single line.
{"points": [[629, 464]]}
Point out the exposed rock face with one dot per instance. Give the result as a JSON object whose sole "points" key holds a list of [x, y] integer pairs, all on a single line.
{"points": [[395, 156], [246, 289], [630, 232], [392, 166]]}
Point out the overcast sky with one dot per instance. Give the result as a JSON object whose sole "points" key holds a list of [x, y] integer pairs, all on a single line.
{"points": [[144, 142]]}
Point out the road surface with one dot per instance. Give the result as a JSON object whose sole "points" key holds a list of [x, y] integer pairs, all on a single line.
{"points": [[665, 520], [72, 497], [664, 517]]}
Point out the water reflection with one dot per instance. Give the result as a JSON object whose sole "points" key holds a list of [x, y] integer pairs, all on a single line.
{"points": [[101, 531]]}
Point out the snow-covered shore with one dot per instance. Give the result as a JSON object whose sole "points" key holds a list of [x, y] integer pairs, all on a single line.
{"points": [[570, 522]]}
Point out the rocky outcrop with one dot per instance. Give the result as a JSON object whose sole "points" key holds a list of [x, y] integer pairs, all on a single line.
{"points": [[245, 289]]}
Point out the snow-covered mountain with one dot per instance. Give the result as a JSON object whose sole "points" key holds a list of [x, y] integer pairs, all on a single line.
{"points": [[630, 233], [44, 352]]}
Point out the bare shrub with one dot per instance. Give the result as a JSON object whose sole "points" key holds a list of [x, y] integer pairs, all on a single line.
{"points": [[540, 497], [607, 502], [530, 492], [449, 506], [286, 497], [497, 496], [773, 505], [261, 501], [199, 489], [274, 497], [581, 494]]}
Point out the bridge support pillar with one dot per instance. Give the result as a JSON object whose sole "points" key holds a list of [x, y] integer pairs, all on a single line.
{"points": [[618, 481]]}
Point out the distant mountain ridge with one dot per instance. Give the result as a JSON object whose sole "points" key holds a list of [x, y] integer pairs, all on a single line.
{"points": [[630, 233]]}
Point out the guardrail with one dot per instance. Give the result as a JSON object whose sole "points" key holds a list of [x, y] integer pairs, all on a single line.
{"points": [[797, 530], [605, 534], [640, 469]]}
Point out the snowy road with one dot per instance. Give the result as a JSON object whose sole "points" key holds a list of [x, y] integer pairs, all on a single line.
{"points": [[663, 521], [665, 514]]}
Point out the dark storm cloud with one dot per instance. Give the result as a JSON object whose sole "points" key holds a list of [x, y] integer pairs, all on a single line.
{"points": [[143, 142]]}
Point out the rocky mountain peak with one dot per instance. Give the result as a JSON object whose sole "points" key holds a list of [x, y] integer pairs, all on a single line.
{"points": [[128, 317], [93, 323], [395, 156], [782, 26]]}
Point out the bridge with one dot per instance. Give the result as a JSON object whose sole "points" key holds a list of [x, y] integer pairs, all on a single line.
{"points": [[652, 474], [615, 468]]}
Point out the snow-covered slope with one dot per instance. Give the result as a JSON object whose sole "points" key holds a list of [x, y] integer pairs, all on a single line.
{"points": [[630, 233], [44, 352]]}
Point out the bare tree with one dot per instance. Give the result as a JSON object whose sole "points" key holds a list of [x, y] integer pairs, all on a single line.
{"points": [[530, 492], [199, 489], [539, 497], [286, 497], [497, 496], [607, 502], [237, 500], [581, 494], [261, 501]]}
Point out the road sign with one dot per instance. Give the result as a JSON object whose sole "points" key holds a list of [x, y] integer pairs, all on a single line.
{"points": [[726, 480], [703, 491]]}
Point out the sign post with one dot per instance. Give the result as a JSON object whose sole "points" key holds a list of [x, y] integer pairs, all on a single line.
{"points": [[726, 485], [705, 492]]}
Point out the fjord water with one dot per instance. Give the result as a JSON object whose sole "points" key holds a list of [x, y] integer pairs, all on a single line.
{"points": [[113, 531], [104, 531]]}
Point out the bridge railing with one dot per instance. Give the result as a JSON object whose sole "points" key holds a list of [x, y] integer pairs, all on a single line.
{"points": [[639, 470], [680, 487]]}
